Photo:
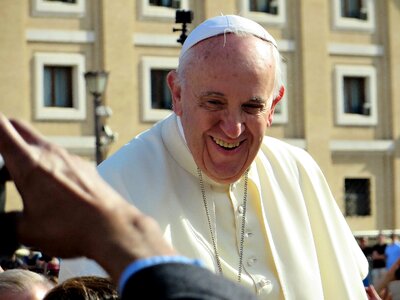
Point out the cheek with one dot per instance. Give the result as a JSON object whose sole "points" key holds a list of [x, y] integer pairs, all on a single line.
{"points": [[258, 126], [269, 118], [193, 129]]}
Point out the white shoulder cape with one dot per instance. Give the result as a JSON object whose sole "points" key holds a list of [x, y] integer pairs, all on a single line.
{"points": [[315, 254]]}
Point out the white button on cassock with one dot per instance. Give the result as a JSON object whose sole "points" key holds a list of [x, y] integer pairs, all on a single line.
{"points": [[265, 285], [251, 261], [248, 234]]}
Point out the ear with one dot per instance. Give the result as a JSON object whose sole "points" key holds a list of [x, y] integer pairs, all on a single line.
{"points": [[274, 103], [175, 89]]}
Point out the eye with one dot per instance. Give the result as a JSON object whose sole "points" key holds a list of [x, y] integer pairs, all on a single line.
{"points": [[212, 104], [253, 108]]}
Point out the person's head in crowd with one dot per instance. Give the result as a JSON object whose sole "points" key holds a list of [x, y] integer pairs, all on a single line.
{"points": [[224, 90], [53, 267], [12, 262], [18, 284], [32, 258], [363, 241], [393, 237], [381, 239], [84, 288]]}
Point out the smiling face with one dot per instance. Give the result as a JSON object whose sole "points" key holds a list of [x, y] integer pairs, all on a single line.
{"points": [[225, 102]]}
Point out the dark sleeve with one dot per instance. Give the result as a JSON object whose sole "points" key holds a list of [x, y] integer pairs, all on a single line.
{"points": [[4, 174], [8, 233], [182, 281]]}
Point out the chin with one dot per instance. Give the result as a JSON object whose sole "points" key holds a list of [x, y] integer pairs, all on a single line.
{"points": [[224, 173], [225, 178]]}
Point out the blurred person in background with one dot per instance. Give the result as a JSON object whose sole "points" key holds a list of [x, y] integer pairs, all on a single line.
{"points": [[378, 259], [392, 251], [84, 288], [367, 250], [18, 284]]}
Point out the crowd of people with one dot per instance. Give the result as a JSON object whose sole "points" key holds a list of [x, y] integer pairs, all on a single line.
{"points": [[30, 274], [23, 284], [384, 262], [34, 260]]}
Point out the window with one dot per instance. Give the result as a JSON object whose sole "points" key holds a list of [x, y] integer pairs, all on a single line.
{"points": [[65, 1], [356, 95], [266, 6], [59, 86], [161, 9], [354, 15], [353, 9], [165, 3], [264, 11], [160, 95], [156, 99], [58, 8], [357, 197], [355, 101]]}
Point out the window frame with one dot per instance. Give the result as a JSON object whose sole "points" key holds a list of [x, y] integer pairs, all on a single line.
{"points": [[147, 11], [369, 73], [345, 23], [149, 114], [77, 62], [262, 17], [43, 8]]}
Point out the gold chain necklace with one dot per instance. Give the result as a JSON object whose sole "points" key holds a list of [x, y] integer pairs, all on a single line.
{"points": [[242, 228]]}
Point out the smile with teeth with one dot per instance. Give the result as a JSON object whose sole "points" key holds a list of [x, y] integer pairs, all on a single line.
{"points": [[225, 144]]}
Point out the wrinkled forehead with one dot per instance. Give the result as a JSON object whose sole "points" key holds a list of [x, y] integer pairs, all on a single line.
{"points": [[223, 25], [237, 47]]}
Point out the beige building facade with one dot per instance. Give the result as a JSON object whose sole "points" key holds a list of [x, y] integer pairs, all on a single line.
{"points": [[342, 73]]}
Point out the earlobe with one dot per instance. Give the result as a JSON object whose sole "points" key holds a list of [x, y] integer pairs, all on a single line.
{"points": [[175, 90]]}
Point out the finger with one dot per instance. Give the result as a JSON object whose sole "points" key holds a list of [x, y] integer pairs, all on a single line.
{"points": [[17, 153], [372, 293], [28, 133], [10, 139]]}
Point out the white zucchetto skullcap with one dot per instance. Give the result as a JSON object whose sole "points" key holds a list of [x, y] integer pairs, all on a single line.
{"points": [[225, 24]]}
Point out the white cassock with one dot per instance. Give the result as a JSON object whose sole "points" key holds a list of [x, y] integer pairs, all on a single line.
{"points": [[297, 244]]}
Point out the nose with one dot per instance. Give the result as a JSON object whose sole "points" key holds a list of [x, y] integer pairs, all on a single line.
{"points": [[232, 125]]}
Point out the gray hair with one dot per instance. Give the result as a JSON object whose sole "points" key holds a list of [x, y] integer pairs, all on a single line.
{"points": [[20, 281]]}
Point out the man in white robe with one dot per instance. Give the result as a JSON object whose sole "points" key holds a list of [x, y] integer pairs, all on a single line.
{"points": [[209, 166]]}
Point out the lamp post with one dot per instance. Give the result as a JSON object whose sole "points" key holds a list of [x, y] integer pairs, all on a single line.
{"points": [[96, 84]]}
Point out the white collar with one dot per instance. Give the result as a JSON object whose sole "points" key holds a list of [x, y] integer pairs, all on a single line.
{"points": [[180, 127]]}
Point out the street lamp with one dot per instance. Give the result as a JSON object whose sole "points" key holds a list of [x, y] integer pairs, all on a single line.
{"points": [[96, 84]]}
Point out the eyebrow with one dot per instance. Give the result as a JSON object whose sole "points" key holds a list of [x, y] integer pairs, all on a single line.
{"points": [[206, 94], [258, 99]]}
